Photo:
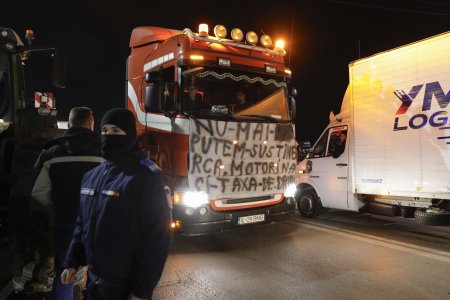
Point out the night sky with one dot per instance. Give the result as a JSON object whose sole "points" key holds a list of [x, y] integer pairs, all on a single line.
{"points": [[93, 36]]}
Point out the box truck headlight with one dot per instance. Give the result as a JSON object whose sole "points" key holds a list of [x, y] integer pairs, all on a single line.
{"points": [[290, 190], [191, 199]]}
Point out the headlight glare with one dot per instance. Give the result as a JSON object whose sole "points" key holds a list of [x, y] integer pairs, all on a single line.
{"points": [[191, 199], [290, 190]]}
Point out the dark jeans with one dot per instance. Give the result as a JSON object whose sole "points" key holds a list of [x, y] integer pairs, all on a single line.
{"points": [[61, 237], [104, 291]]}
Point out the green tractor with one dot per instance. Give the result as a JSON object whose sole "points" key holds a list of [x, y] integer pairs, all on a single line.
{"points": [[30, 77]]}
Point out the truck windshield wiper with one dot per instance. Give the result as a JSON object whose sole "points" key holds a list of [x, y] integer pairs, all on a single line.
{"points": [[211, 115], [264, 117]]}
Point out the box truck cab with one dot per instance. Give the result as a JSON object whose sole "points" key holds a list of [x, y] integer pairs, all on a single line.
{"points": [[389, 147]]}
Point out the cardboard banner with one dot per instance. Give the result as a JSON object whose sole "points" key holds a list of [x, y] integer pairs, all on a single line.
{"points": [[229, 159]]}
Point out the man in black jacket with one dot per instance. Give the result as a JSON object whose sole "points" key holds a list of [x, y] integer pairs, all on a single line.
{"points": [[123, 229], [59, 170]]}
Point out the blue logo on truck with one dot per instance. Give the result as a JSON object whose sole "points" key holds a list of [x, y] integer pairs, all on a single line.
{"points": [[436, 119]]}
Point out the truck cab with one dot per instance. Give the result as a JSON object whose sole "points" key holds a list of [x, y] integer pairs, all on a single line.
{"points": [[217, 115]]}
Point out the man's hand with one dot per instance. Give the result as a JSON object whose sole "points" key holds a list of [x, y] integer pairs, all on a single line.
{"points": [[68, 276], [133, 297]]}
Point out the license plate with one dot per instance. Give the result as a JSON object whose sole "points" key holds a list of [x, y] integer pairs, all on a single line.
{"points": [[251, 219]]}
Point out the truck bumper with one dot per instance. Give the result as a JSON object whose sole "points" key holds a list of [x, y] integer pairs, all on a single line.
{"points": [[217, 221]]}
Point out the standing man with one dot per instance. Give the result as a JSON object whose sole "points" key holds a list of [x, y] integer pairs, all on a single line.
{"points": [[123, 229], [59, 170]]}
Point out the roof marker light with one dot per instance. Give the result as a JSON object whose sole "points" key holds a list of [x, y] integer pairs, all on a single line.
{"points": [[197, 57], [271, 69], [226, 62], [220, 31], [251, 37], [203, 30], [237, 35], [279, 45], [266, 41]]}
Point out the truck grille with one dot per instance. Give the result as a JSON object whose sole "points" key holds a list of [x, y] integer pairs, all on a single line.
{"points": [[245, 200]]}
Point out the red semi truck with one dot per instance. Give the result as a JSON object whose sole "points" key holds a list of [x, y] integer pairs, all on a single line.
{"points": [[217, 116]]}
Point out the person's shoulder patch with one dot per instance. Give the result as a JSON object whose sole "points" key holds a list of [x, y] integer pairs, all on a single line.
{"points": [[151, 165]]}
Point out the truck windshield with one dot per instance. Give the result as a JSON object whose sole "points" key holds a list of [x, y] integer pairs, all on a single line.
{"points": [[244, 94]]}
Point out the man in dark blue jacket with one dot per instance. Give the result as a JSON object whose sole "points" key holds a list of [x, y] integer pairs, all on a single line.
{"points": [[58, 171], [123, 229]]}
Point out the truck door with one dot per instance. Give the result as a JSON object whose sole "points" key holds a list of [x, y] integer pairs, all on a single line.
{"points": [[329, 167]]}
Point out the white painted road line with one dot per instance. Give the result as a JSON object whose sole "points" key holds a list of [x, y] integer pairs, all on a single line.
{"points": [[443, 256]]}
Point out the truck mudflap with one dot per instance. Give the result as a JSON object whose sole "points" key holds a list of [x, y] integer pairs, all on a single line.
{"points": [[204, 220]]}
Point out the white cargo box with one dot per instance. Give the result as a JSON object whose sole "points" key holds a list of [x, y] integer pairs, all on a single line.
{"points": [[399, 109]]}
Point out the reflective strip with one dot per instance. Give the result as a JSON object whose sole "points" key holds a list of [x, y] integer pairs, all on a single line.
{"points": [[151, 165], [156, 121], [42, 189], [81, 158], [86, 191]]}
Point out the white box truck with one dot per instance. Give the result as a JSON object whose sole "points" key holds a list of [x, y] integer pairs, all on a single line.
{"points": [[389, 147]]}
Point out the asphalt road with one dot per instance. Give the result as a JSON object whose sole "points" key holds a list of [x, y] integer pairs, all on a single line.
{"points": [[340, 255]]}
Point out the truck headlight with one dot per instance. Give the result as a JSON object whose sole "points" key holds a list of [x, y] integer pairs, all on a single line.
{"points": [[191, 199], [290, 190]]}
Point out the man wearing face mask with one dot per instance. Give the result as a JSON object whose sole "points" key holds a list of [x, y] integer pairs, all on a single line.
{"points": [[123, 229]]}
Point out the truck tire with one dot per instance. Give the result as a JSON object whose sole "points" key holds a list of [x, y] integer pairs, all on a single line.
{"points": [[407, 212], [384, 209], [435, 218], [308, 203]]}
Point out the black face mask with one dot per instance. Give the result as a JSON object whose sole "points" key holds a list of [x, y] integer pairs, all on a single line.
{"points": [[114, 145]]}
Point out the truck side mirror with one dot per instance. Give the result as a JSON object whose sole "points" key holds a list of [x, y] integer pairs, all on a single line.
{"points": [[152, 100], [293, 92], [153, 77], [59, 72], [293, 109]]}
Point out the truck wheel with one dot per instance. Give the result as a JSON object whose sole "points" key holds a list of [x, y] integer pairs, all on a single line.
{"points": [[432, 216], [308, 204], [407, 212]]}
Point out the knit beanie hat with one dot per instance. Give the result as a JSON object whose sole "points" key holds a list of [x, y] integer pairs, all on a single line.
{"points": [[122, 118]]}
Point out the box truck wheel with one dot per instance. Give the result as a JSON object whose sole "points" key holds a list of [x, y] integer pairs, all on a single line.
{"points": [[432, 216], [407, 212], [308, 203]]}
